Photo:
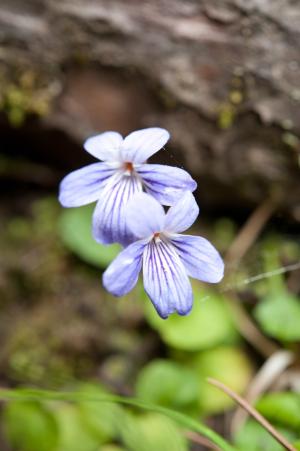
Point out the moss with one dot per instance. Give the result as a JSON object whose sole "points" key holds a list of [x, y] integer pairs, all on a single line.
{"points": [[229, 108], [226, 116], [33, 361], [24, 93], [236, 97], [291, 140]]}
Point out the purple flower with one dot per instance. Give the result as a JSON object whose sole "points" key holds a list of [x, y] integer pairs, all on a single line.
{"points": [[122, 174], [166, 257]]}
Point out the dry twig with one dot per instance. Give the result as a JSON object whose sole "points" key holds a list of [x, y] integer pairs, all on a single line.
{"points": [[254, 413], [250, 231], [264, 378], [200, 440]]}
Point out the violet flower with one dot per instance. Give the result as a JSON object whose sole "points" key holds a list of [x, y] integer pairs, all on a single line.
{"points": [[122, 174], [166, 257]]}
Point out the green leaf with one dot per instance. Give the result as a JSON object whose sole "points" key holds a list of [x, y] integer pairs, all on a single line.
{"points": [[169, 384], [253, 437], [30, 426], [208, 324], [73, 435], [279, 316], [281, 408], [75, 231], [102, 419], [297, 445], [227, 364], [111, 447], [151, 431]]}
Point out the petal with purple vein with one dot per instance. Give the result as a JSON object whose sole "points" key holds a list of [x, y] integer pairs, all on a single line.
{"points": [[165, 279], [122, 274], [83, 186], [183, 214], [166, 183], [201, 260], [144, 215], [109, 224]]}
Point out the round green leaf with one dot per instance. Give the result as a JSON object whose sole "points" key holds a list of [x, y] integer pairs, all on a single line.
{"points": [[101, 418], [30, 426], [73, 434], [281, 408], [279, 316], [75, 230], [167, 383], [226, 364], [253, 437], [151, 431], [208, 324]]}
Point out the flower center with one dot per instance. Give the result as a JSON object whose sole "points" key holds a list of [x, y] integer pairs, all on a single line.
{"points": [[156, 237], [128, 167]]}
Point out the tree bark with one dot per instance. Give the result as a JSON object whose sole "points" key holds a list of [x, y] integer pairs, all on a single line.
{"points": [[223, 76]]}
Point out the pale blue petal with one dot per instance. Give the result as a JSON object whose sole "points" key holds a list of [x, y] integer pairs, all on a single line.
{"points": [[183, 214], [140, 145], [165, 279], [201, 260], [84, 186], [109, 216], [122, 274], [144, 216], [166, 183], [105, 146]]}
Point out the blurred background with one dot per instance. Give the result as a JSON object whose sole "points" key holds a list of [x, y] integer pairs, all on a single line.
{"points": [[223, 77]]}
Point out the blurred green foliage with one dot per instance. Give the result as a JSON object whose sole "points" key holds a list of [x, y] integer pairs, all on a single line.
{"points": [[153, 427]]}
